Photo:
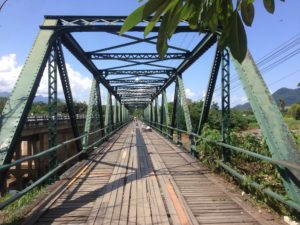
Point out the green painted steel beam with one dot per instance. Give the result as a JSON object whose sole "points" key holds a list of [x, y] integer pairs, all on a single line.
{"points": [[210, 90], [52, 108], [19, 103], [99, 108], [184, 104], [278, 137], [65, 83], [89, 114], [225, 103], [166, 118]]}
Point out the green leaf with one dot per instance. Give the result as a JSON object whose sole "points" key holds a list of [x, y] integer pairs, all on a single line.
{"points": [[174, 19], [164, 7], [299, 84], [247, 10], [133, 19], [269, 5], [162, 44], [139, 14], [237, 39]]}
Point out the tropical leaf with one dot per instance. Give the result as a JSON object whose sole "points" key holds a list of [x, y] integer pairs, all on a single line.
{"points": [[237, 39], [269, 5], [162, 44], [247, 10], [140, 13]]}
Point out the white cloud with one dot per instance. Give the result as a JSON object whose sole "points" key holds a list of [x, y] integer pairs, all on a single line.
{"points": [[80, 84], [189, 93], [236, 100], [170, 96], [9, 72]]}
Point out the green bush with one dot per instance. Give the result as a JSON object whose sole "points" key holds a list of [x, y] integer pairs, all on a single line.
{"points": [[294, 111]]}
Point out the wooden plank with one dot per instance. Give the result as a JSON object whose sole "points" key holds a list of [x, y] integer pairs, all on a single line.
{"points": [[99, 210]]}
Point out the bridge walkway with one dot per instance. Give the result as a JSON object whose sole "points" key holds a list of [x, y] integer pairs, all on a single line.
{"points": [[141, 178]]}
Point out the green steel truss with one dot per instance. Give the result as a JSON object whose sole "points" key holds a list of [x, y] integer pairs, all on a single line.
{"points": [[278, 137], [135, 81], [225, 102], [52, 105]]}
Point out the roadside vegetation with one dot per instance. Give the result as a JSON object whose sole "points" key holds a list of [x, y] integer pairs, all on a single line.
{"points": [[246, 134], [15, 212]]}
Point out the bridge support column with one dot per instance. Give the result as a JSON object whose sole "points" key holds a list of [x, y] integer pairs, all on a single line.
{"points": [[151, 112], [174, 112], [156, 110], [108, 114], [210, 90], [67, 92], [52, 109], [278, 137], [115, 109], [225, 103], [94, 110], [164, 116], [186, 112]]}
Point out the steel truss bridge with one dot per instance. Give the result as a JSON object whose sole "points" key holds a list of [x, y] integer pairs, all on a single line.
{"points": [[138, 80]]}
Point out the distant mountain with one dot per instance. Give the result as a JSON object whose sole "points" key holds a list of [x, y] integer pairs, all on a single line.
{"points": [[4, 94], [289, 96], [38, 98]]}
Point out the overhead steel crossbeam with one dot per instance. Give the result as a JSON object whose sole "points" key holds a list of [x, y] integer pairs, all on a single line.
{"points": [[140, 87], [137, 92], [207, 41], [112, 25], [136, 56], [138, 63], [100, 23], [71, 44], [137, 77], [134, 81], [136, 72]]}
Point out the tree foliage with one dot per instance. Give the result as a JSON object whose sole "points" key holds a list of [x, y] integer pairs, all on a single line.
{"points": [[201, 15], [294, 111], [2, 103]]}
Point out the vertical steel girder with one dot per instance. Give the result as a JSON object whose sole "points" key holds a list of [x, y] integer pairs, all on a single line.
{"points": [[116, 111], [99, 108], [67, 92], [175, 106], [52, 107], [225, 102], [278, 137], [156, 110], [89, 114], [164, 118], [210, 90], [184, 104], [18, 105], [94, 111], [151, 112], [108, 114], [121, 113]]}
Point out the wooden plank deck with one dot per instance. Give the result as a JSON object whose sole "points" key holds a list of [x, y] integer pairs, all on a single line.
{"points": [[142, 178]]}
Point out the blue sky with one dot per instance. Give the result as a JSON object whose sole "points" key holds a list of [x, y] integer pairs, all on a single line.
{"points": [[20, 20]]}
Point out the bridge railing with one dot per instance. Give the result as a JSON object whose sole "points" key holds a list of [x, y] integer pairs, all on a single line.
{"points": [[59, 166], [38, 121], [195, 138]]}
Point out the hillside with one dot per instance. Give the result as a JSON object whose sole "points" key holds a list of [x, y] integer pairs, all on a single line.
{"points": [[37, 98], [289, 96]]}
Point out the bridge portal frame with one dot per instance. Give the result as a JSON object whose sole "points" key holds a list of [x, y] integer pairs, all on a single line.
{"points": [[59, 28]]}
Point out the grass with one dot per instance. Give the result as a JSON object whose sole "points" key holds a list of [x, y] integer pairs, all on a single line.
{"points": [[292, 123], [294, 126], [15, 212]]}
